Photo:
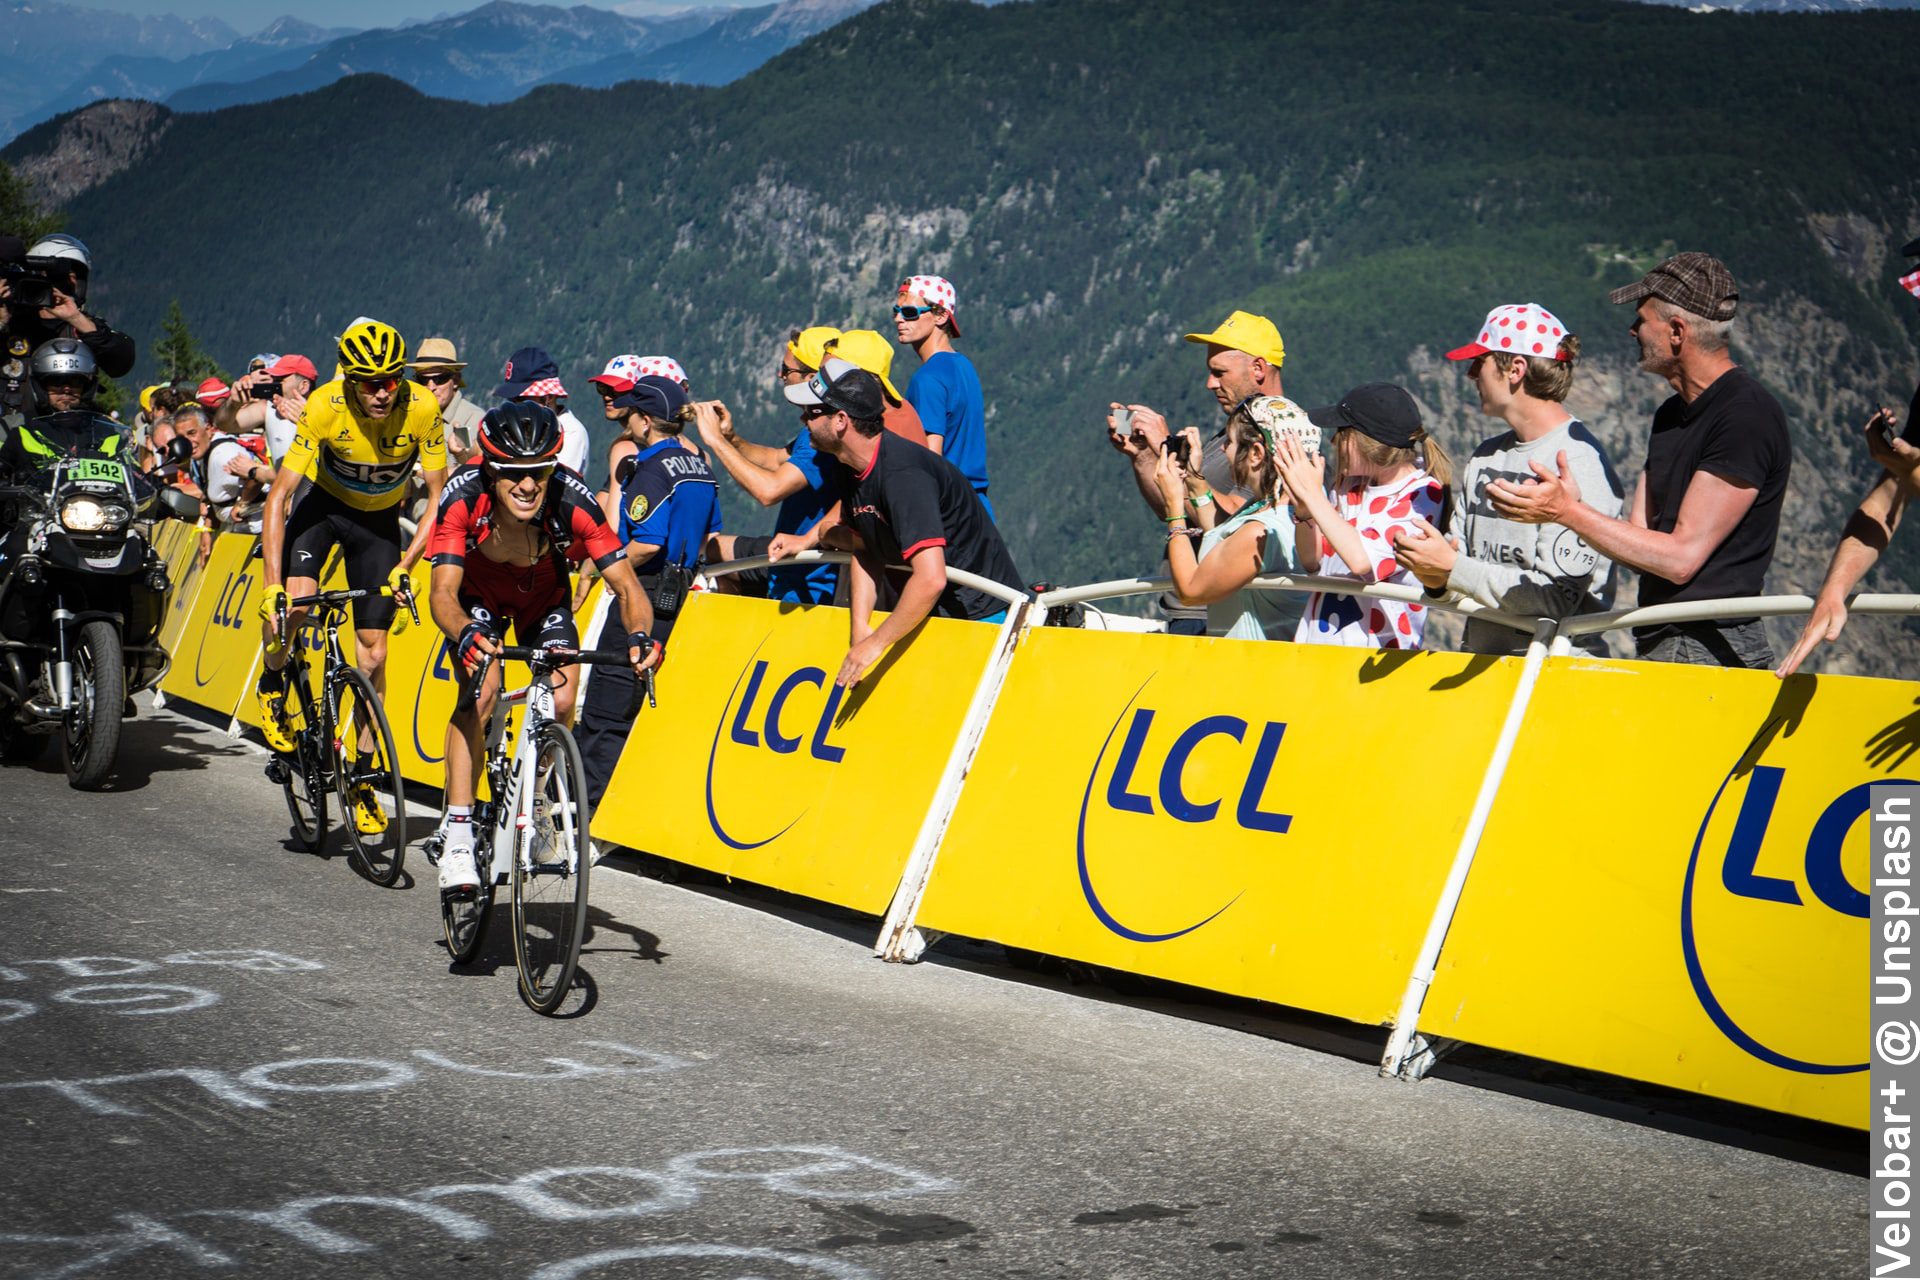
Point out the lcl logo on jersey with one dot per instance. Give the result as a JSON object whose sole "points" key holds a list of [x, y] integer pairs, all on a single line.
{"points": [[1151, 776], [1759, 870], [772, 713]]}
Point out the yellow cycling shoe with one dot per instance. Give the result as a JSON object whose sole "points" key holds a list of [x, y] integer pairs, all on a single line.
{"points": [[274, 726], [368, 819]]}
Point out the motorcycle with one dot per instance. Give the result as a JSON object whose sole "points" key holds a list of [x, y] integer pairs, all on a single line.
{"points": [[82, 596]]}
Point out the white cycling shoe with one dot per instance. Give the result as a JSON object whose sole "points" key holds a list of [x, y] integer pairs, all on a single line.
{"points": [[457, 870]]}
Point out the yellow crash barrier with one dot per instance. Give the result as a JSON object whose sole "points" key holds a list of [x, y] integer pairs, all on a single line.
{"points": [[219, 638], [1672, 886], [1270, 820], [755, 765]]}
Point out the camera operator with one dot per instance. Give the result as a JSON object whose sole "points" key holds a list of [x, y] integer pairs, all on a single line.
{"points": [[42, 293]]}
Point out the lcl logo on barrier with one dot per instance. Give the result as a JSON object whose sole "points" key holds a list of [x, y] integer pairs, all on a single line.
{"points": [[1135, 783], [440, 668], [774, 712], [1757, 1016], [229, 611]]}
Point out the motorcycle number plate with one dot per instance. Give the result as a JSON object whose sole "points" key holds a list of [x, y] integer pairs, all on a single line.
{"points": [[98, 469]]}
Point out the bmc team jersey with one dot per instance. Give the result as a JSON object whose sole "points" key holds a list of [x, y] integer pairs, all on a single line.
{"points": [[575, 527], [366, 462]]}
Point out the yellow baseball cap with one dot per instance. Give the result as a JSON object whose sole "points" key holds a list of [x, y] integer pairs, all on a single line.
{"points": [[146, 397], [811, 347], [866, 349], [1244, 331]]}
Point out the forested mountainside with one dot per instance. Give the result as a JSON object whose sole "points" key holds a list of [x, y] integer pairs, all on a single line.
{"points": [[1097, 177]]}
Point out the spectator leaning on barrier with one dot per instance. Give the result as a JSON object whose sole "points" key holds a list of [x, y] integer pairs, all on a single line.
{"points": [[797, 477], [1244, 355], [611, 383], [669, 507], [531, 374], [1706, 512], [1522, 366], [1256, 539], [907, 506], [1388, 473], [945, 389], [1875, 520], [438, 367]]}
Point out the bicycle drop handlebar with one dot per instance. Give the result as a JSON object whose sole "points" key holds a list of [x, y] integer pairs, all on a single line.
{"points": [[548, 658]]}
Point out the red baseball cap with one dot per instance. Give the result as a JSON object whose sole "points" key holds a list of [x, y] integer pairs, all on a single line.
{"points": [[293, 364]]}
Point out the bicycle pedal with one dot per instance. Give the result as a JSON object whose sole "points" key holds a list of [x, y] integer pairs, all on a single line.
{"points": [[432, 847], [277, 771]]}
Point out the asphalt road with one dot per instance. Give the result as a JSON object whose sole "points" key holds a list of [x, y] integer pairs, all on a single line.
{"points": [[224, 1056]]}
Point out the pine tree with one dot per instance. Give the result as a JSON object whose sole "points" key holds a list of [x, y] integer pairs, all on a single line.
{"points": [[178, 355], [20, 214]]}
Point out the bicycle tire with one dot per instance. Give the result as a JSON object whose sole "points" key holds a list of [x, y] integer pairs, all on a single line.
{"points": [[301, 780], [378, 856], [464, 920], [550, 882]]}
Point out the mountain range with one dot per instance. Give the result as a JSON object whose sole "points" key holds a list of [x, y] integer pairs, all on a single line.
{"points": [[489, 54], [1097, 177]]}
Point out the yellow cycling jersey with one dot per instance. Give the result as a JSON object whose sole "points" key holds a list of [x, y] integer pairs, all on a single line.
{"points": [[366, 462]]}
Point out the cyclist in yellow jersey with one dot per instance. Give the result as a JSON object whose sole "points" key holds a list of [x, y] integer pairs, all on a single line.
{"points": [[341, 483]]}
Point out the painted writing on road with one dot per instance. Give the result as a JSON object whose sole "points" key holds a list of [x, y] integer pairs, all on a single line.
{"points": [[137, 999], [254, 1088], [577, 1194]]}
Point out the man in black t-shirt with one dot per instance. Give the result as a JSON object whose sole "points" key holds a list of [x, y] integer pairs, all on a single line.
{"points": [[1706, 512], [908, 506], [1871, 526]]}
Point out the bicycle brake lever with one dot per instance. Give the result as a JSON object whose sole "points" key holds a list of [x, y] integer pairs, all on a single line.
{"points": [[479, 679], [649, 678]]}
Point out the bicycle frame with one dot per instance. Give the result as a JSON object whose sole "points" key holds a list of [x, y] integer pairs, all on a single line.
{"points": [[511, 779]]}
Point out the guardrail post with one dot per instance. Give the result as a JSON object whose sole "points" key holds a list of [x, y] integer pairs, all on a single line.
{"points": [[1407, 1054], [900, 942]]}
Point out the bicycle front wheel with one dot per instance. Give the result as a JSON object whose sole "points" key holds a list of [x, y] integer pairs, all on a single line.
{"points": [[550, 867], [303, 771], [366, 778]]}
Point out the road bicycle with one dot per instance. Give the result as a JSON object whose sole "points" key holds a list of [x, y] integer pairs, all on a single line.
{"points": [[531, 832], [328, 734]]}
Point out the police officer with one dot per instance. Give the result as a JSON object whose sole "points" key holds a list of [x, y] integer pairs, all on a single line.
{"points": [[63, 422], [669, 504], [64, 263]]}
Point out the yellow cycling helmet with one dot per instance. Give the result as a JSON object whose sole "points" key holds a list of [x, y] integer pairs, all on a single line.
{"points": [[370, 349]]}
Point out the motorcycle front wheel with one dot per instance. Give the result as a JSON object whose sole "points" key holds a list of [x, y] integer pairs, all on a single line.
{"points": [[92, 736]]}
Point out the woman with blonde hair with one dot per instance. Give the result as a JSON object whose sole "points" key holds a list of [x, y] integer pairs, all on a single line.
{"points": [[1256, 539]]}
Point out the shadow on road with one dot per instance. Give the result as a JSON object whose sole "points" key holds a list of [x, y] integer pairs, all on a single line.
{"points": [[149, 745], [601, 926]]}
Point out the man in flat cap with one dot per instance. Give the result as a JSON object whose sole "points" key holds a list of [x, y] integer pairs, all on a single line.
{"points": [[1706, 512]]}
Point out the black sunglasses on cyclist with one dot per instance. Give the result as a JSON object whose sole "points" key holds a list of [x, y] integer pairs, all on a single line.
{"points": [[387, 383], [516, 471], [910, 314]]}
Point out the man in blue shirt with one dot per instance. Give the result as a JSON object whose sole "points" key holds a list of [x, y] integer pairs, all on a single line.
{"points": [[669, 505], [945, 391]]}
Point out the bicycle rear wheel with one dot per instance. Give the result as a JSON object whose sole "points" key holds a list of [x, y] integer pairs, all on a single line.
{"points": [[301, 772], [464, 916], [372, 774], [550, 872]]}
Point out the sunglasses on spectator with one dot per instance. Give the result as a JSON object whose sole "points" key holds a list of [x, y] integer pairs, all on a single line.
{"points": [[517, 471], [387, 383], [788, 372], [911, 314], [813, 411], [435, 379]]}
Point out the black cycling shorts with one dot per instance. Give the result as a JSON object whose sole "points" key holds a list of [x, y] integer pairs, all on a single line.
{"points": [[369, 541], [532, 629]]}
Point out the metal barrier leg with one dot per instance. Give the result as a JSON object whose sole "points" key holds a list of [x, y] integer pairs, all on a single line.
{"points": [[1408, 1053], [900, 942]]}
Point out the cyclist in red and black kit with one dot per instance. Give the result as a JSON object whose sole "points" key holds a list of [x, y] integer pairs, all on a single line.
{"points": [[506, 529]]}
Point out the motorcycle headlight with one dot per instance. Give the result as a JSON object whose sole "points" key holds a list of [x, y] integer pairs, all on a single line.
{"points": [[90, 515]]}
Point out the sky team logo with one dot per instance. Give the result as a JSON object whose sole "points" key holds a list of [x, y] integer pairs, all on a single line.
{"points": [[772, 748], [1776, 886], [1188, 794]]}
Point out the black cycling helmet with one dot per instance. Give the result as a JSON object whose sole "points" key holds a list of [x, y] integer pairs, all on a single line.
{"points": [[520, 432]]}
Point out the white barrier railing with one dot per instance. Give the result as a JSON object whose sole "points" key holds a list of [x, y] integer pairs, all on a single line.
{"points": [[1301, 584]]}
